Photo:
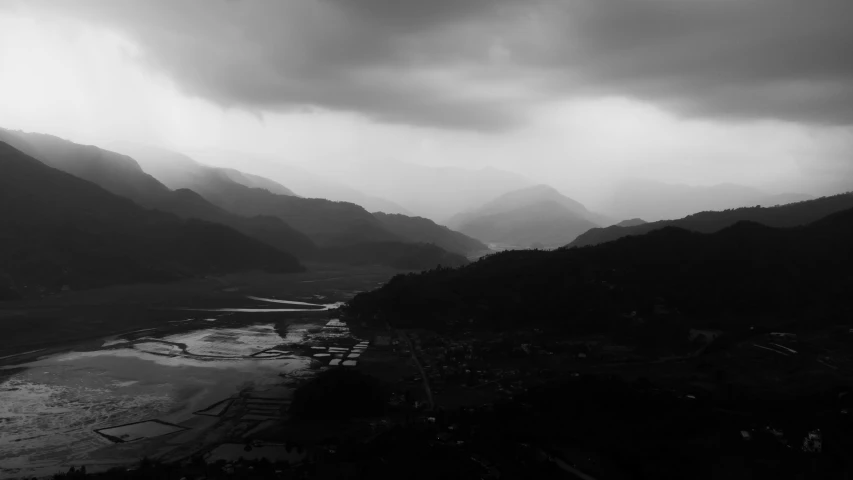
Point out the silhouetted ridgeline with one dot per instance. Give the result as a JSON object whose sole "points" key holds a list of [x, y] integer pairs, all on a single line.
{"points": [[419, 229], [254, 206], [790, 215], [121, 175], [745, 269], [324, 221], [57, 230], [405, 256]]}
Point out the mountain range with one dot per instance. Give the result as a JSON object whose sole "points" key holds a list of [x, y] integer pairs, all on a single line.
{"points": [[434, 192], [328, 223], [324, 221], [537, 216], [58, 231], [742, 274], [789, 215], [122, 175], [255, 206], [425, 230], [307, 184]]}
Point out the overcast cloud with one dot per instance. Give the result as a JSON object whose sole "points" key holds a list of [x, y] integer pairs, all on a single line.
{"points": [[482, 64], [579, 94]]}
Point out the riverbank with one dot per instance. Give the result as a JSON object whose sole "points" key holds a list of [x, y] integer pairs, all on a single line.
{"points": [[53, 324]]}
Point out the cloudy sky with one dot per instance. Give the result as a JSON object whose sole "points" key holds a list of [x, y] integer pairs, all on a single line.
{"points": [[575, 93]]}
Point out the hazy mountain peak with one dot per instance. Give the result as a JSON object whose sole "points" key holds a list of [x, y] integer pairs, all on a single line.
{"points": [[534, 215]]}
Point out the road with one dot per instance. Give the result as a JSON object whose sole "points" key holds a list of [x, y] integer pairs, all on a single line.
{"points": [[424, 377]]}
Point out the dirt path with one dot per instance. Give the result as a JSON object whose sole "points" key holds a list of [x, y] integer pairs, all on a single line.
{"points": [[421, 369]]}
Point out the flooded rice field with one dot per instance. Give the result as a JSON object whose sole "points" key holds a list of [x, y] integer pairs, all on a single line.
{"points": [[154, 391]]}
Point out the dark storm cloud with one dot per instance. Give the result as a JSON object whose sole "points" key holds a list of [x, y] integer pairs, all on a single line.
{"points": [[785, 59], [742, 59]]}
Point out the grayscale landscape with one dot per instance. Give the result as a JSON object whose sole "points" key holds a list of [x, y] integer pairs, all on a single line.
{"points": [[447, 239]]}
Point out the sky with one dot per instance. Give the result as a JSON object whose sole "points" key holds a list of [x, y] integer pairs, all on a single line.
{"points": [[579, 94]]}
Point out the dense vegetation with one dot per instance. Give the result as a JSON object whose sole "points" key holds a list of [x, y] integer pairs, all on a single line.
{"points": [[790, 215], [57, 230], [419, 229], [744, 270], [340, 393]]}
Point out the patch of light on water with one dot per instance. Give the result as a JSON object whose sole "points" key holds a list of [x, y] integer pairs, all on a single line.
{"points": [[254, 310], [289, 302], [157, 348], [127, 383], [229, 342], [48, 412]]}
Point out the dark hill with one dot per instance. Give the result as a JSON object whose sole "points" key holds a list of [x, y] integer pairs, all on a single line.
{"points": [[122, 175], [743, 273], [57, 230], [790, 215], [419, 229]]}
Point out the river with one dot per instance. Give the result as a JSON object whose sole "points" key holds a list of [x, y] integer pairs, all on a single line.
{"points": [[81, 407]]}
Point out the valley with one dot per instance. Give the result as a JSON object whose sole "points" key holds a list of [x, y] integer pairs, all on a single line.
{"points": [[184, 373]]}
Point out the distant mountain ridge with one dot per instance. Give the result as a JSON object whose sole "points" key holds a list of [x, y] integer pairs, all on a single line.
{"points": [[533, 216], [324, 221], [789, 215], [419, 229], [123, 176], [304, 183], [633, 222], [58, 230], [434, 192]]}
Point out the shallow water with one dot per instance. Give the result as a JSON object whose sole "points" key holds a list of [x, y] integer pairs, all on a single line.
{"points": [[49, 411], [51, 408], [319, 307]]}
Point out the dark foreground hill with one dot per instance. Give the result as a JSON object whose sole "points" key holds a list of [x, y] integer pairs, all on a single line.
{"points": [[743, 273], [419, 229], [122, 175], [58, 230], [790, 215]]}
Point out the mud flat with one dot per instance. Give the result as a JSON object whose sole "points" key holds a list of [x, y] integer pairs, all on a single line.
{"points": [[71, 407]]}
